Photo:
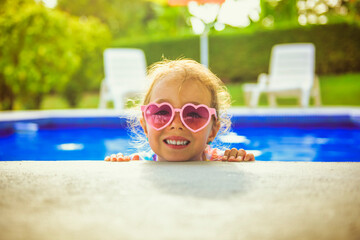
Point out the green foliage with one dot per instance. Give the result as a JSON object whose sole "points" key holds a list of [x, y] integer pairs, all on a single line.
{"points": [[279, 11], [132, 19], [241, 57], [41, 50], [168, 21], [123, 17], [275, 13], [31, 53], [90, 38]]}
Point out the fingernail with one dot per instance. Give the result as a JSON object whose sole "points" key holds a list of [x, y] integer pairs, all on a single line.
{"points": [[232, 158], [239, 158]]}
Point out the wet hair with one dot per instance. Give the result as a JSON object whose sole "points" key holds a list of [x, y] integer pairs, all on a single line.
{"points": [[190, 70]]}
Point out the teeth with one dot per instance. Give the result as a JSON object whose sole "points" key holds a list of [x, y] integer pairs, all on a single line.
{"points": [[174, 142]]}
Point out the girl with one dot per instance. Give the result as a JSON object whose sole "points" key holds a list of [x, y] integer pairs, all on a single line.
{"points": [[182, 112]]}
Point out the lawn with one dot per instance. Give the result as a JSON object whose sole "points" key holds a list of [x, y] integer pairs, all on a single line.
{"points": [[336, 90]]}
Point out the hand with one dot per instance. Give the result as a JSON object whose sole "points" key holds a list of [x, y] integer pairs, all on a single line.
{"points": [[120, 158], [240, 155]]}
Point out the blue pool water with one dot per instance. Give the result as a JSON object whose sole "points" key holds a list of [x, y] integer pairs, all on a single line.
{"points": [[272, 138]]}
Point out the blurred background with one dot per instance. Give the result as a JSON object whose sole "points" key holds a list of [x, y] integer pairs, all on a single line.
{"points": [[51, 51]]}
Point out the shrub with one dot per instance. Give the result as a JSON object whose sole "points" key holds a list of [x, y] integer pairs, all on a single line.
{"points": [[242, 56], [90, 38], [42, 50]]}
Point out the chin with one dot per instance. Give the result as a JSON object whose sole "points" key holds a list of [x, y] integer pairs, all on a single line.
{"points": [[179, 160]]}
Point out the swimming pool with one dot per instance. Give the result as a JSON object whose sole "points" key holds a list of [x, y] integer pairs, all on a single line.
{"points": [[323, 135]]}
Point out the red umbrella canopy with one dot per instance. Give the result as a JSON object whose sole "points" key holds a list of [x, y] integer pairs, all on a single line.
{"points": [[185, 2]]}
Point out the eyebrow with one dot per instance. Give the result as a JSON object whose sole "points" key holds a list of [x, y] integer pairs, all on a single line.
{"points": [[161, 100]]}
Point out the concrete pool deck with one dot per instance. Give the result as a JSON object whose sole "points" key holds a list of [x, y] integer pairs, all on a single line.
{"points": [[198, 200]]}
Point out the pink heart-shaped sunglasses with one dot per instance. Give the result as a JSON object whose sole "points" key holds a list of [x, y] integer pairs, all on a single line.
{"points": [[194, 117]]}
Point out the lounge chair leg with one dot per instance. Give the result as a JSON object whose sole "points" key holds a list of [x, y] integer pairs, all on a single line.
{"points": [[317, 100], [254, 101], [247, 97], [272, 99], [119, 103], [316, 92], [305, 97], [102, 101]]}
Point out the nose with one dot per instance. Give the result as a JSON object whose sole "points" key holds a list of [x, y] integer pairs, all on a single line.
{"points": [[176, 122]]}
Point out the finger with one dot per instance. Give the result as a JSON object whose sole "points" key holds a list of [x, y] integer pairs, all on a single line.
{"points": [[122, 158], [249, 157], [107, 158], [136, 157], [233, 154], [119, 157], [113, 158], [241, 155], [226, 155]]}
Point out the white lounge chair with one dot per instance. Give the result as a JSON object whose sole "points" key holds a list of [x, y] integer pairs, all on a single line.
{"points": [[291, 74], [125, 74]]}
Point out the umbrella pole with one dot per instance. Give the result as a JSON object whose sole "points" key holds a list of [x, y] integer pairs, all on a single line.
{"points": [[204, 47]]}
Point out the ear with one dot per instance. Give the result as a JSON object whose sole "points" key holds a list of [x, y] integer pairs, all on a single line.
{"points": [[214, 130], [143, 125]]}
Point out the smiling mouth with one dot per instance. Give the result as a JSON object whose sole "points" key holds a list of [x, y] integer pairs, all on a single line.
{"points": [[176, 142]]}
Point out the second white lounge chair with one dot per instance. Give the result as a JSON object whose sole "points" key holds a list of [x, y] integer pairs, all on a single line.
{"points": [[291, 74], [125, 73]]}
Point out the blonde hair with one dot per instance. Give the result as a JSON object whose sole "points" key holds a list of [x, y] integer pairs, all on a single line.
{"points": [[191, 70]]}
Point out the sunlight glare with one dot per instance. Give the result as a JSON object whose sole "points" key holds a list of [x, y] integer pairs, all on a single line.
{"points": [[238, 13], [232, 137], [206, 12], [48, 3], [197, 25], [70, 146]]}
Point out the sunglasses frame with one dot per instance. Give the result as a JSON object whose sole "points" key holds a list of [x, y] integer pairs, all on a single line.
{"points": [[211, 111]]}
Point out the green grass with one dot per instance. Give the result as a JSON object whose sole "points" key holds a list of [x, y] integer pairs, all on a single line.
{"points": [[89, 100], [341, 90], [54, 102], [336, 90]]}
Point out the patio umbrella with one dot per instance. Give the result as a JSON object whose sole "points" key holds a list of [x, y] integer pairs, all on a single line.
{"points": [[204, 40]]}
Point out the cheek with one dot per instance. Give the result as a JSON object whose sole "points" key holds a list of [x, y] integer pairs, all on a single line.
{"points": [[210, 132], [203, 135], [153, 135]]}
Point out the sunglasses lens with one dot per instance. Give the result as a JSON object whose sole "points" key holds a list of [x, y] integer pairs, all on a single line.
{"points": [[158, 116], [195, 118]]}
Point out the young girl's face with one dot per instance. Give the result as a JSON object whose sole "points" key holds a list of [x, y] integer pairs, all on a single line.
{"points": [[192, 91]]}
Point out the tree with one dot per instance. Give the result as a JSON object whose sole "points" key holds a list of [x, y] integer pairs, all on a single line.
{"points": [[275, 12], [124, 17], [40, 51], [295, 12], [131, 19]]}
